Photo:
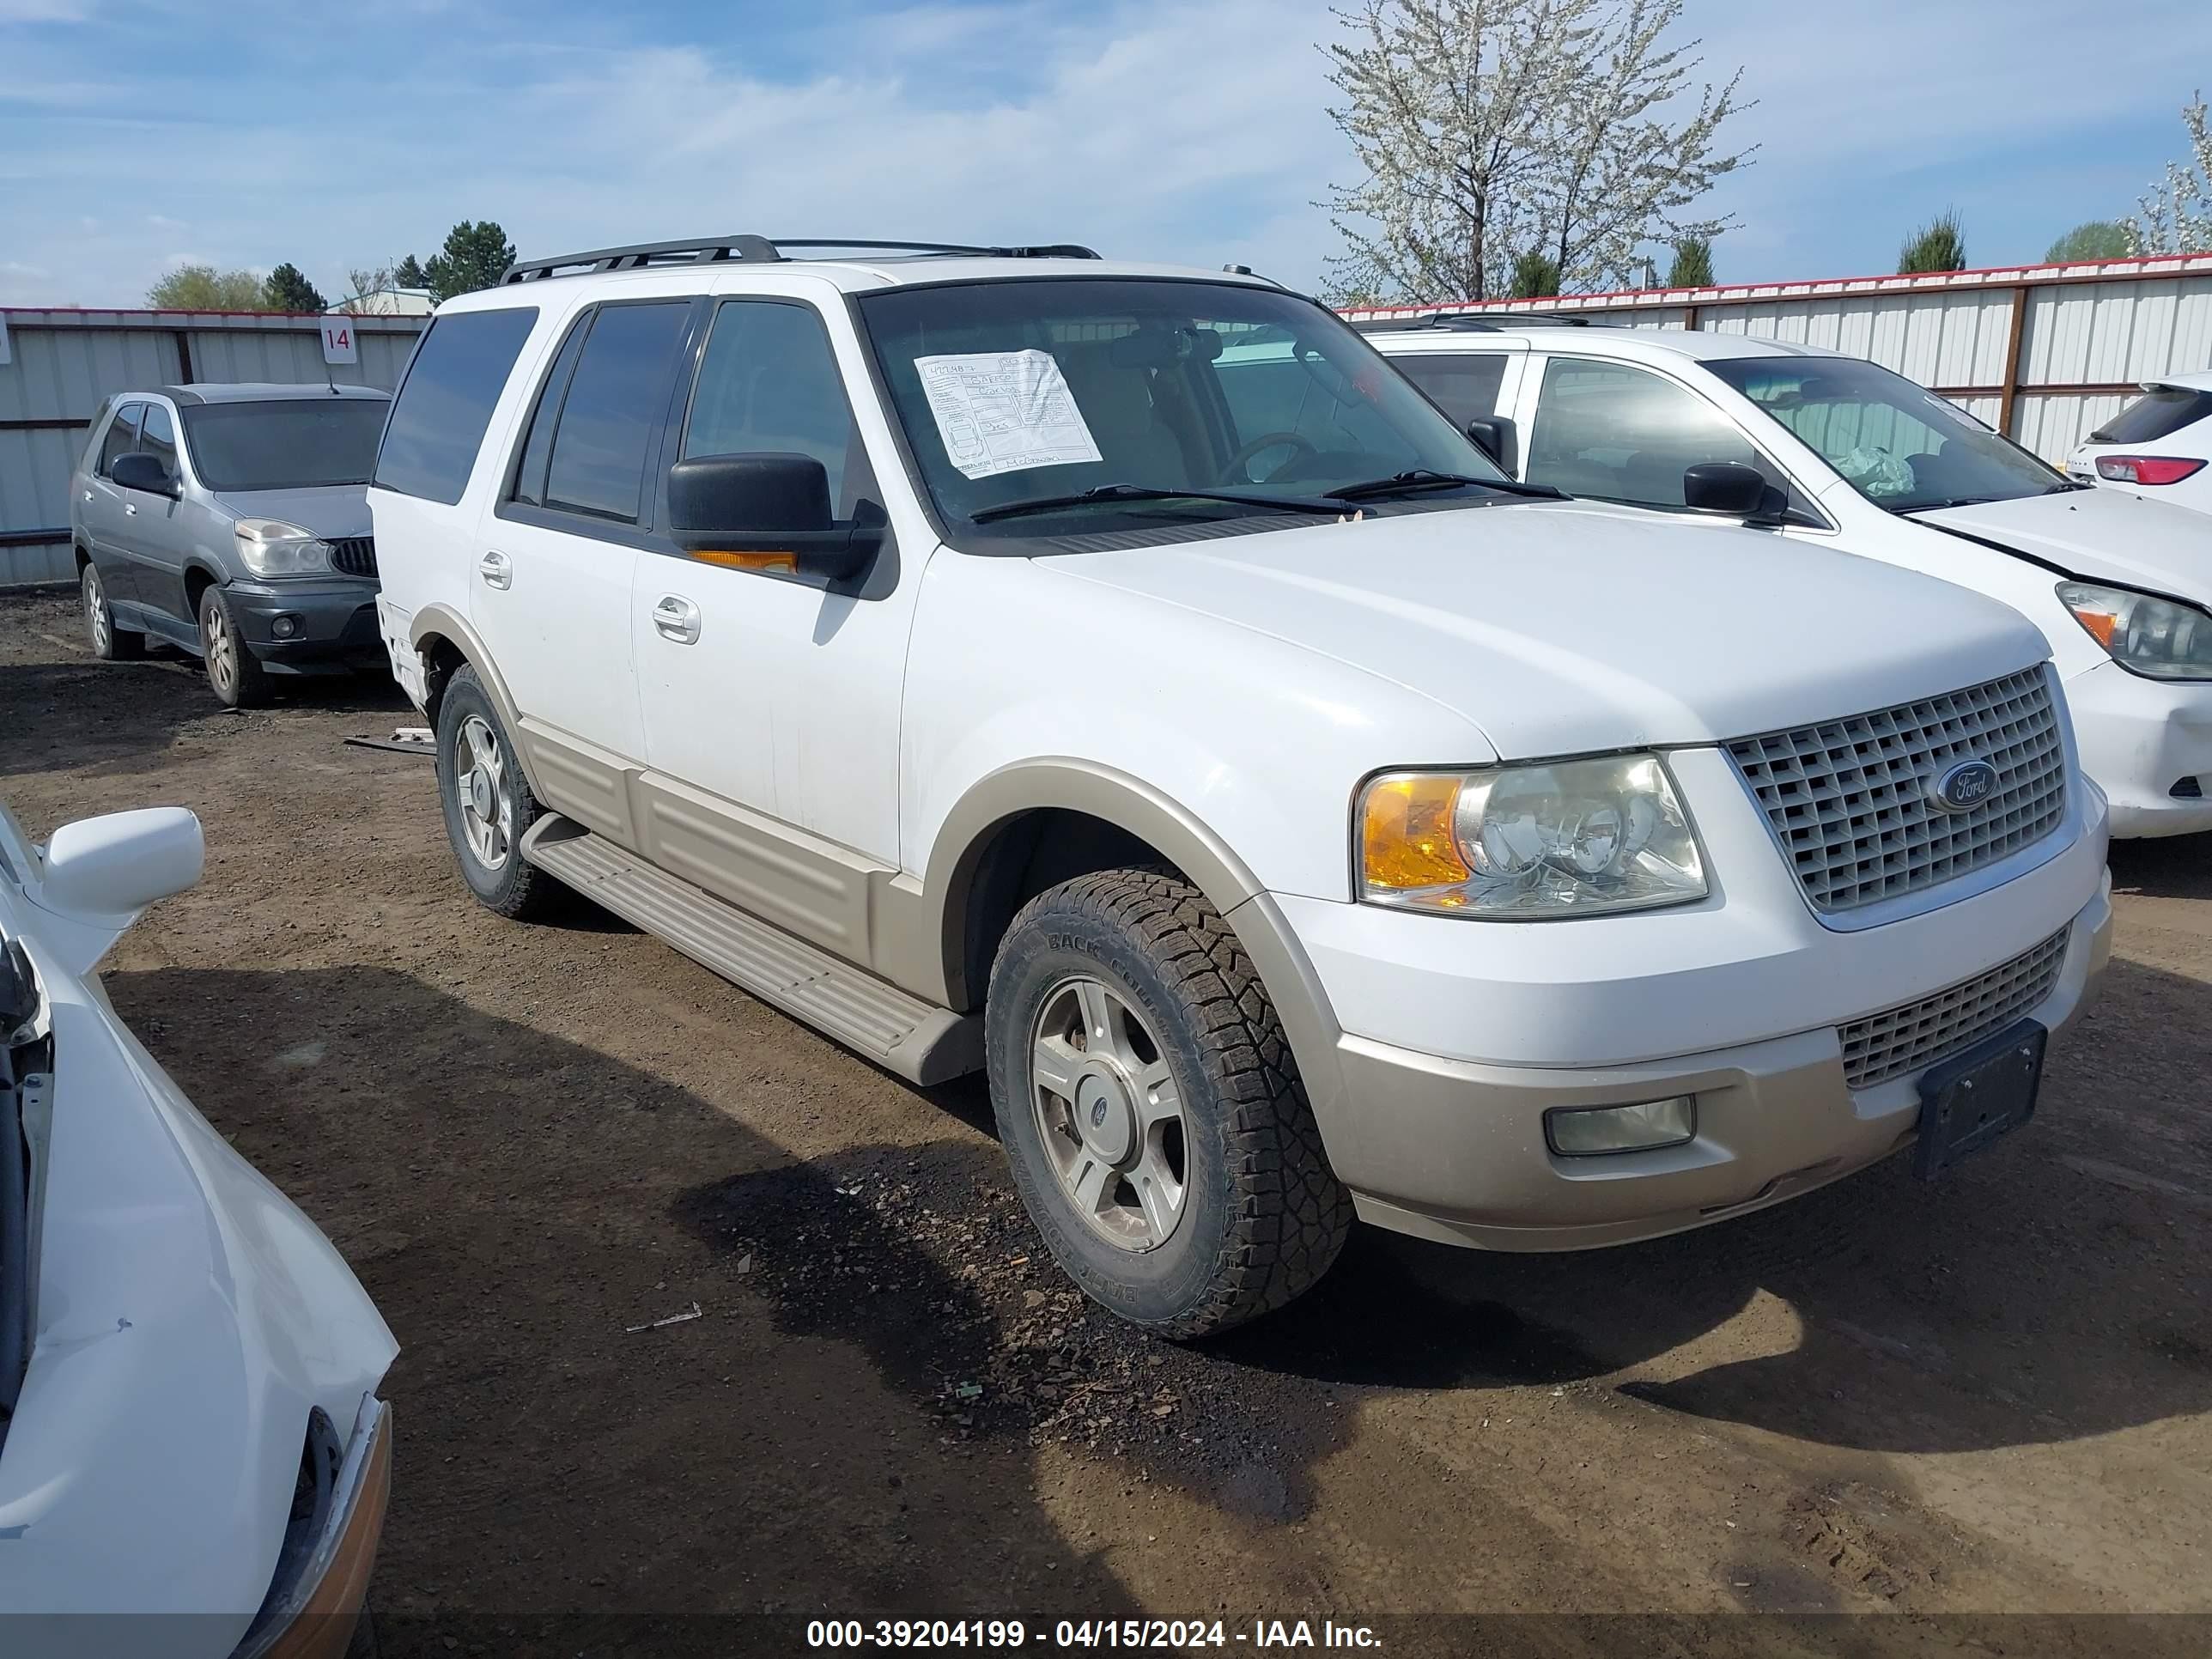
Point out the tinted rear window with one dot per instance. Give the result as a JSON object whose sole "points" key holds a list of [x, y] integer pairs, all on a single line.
{"points": [[613, 409], [447, 400], [2154, 414], [288, 443], [1464, 384]]}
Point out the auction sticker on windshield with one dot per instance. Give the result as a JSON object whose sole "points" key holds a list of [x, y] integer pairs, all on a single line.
{"points": [[1005, 411]]}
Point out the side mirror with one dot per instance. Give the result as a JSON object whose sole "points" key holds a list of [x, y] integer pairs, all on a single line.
{"points": [[119, 864], [1729, 488], [1493, 436], [765, 512], [139, 471]]}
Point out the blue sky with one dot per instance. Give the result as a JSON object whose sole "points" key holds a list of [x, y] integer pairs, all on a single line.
{"points": [[138, 134]]}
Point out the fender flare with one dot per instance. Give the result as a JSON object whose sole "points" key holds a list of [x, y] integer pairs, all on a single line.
{"points": [[442, 621], [1188, 842]]}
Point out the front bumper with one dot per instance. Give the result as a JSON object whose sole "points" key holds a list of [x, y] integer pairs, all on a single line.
{"points": [[2141, 738], [326, 624], [1775, 1118]]}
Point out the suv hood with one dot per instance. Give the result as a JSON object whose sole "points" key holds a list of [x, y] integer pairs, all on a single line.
{"points": [[2102, 535], [326, 510], [1565, 628]]}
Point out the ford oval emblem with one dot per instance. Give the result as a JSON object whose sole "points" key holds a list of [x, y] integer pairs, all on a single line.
{"points": [[1963, 788]]}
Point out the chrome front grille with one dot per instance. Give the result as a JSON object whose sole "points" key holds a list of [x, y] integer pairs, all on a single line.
{"points": [[354, 556], [1847, 799], [1915, 1036]]}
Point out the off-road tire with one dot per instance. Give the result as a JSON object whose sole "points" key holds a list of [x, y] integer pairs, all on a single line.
{"points": [[1264, 1215], [234, 674], [109, 643], [517, 890]]}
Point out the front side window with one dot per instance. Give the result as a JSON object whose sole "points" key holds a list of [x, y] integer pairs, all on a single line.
{"points": [[1897, 444], [1016, 393], [769, 385], [1464, 384], [286, 443], [157, 436], [1623, 434], [613, 409], [446, 402], [122, 438]]}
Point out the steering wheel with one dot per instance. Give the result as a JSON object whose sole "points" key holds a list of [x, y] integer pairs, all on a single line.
{"points": [[1234, 472]]}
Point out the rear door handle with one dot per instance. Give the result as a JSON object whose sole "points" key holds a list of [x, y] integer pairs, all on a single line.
{"points": [[677, 618], [130, 509], [496, 570]]}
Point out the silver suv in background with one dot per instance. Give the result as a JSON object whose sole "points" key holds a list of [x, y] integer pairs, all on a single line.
{"points": [[232, 521]]}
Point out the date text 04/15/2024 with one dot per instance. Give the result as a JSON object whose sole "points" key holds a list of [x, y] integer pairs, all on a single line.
{"points": [[1168, 1634]]}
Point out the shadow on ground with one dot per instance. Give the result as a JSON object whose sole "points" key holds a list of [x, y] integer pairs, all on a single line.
{"points": [[505, 1196], [2176, 866]]}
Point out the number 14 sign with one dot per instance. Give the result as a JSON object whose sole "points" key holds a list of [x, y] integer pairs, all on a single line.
{"points": [[338, 343]]}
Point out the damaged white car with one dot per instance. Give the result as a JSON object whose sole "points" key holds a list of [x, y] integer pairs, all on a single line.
{"points": [[193, 1456]]}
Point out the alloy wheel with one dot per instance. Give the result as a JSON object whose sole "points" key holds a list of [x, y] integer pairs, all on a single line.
{"points": [[1109, 1114]]}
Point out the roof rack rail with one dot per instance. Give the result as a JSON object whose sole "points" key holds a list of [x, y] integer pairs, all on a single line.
{"points": [[1482, 322], [758, 250]]}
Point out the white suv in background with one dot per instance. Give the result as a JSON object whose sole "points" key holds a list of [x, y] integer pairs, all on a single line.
{"points": [[1292, 815], [1847, 455], [2161, 444]]}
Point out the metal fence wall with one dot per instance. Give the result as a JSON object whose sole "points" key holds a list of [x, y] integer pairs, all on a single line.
{"points": [[2045, 353], [64, 364]]}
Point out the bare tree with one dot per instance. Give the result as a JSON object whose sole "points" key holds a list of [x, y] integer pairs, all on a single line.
{"points": [[1489, 129], [361, 284], [2175, 215]]}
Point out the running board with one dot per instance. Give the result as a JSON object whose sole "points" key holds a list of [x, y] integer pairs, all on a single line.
{"points": [[920, 1041]]}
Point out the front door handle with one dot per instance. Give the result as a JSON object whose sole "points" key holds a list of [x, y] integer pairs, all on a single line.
{"points": [[677, 618], [130, 509], [496, 570], [87, 494]]}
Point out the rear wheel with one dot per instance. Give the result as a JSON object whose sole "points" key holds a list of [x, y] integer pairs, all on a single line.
{"points": [[1159, 1136], [488, 804], [109, 642], [233, 671]]}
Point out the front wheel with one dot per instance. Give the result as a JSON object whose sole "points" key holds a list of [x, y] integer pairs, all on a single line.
{"points": [[1159, 1133], [234, 672]]}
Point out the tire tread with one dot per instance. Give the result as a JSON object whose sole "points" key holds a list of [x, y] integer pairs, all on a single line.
{"points": [[1292, 1216]]}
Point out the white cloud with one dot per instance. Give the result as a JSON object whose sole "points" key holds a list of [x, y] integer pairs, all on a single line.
{"points": [[1143, 129], [1148, 128]]}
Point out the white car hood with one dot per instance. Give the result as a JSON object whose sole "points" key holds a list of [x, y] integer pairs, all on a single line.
{"points": [[2102, 535], [1563, 628]]}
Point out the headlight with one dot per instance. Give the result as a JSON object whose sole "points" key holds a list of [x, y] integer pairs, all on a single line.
{"points": [[269, 547], [1561, 838], [2163, 639]]}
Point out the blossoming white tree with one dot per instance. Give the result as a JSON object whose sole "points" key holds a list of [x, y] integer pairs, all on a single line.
{"points": [[1491, 131], [2176, 216]]}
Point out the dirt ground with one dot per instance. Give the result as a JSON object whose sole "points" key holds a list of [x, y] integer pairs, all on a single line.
{"points": [[1938, 1405]]}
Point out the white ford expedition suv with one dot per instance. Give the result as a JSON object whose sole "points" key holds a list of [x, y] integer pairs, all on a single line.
{"points": [[1295, 817]]}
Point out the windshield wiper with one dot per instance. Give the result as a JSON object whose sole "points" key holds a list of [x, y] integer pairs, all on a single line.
{"points": [[1421, 478], [1110, 492], [1952, 501]]}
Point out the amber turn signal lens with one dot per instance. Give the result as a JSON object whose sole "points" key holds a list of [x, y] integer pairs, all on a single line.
{"points": [[749, 561], [1406, 834]]}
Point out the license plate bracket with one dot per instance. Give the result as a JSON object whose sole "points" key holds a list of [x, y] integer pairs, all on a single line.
{"points": [[1969, 1102]]}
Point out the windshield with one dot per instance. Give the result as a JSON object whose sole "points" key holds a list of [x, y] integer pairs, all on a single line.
{"points": [[288, 443], [1021, 392], [1899, 445]]}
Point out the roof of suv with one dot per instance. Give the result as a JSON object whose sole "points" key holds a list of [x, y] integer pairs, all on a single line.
{"points": [[255, 391], [852, 274], [1701, 344]]}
